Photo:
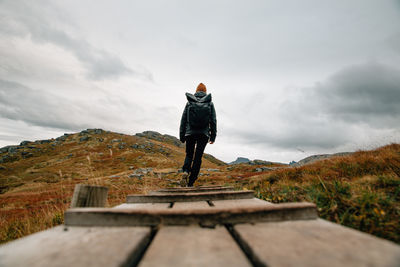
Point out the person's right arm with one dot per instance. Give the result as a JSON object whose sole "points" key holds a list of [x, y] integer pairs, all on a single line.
{"points": [[182, 128]]}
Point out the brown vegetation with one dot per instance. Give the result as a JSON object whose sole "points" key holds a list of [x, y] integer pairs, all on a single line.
{"points": [[361, 190]]}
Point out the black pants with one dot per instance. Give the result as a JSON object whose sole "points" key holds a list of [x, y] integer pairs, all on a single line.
{"points": [[191, 165]]}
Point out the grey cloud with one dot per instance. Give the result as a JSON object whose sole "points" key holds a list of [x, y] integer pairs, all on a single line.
{"points": [[26, 18], [354, 101], [368, 93], [35, 107], [18, 102]]}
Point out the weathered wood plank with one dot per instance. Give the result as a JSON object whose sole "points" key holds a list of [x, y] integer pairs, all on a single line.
{"points": [[191, 205], [89, 196], [192, 189], [78, 246], [193, 246], [186, 197], [240, 203], [316, 243], [198, 187], [143, 206], [212, 216]]}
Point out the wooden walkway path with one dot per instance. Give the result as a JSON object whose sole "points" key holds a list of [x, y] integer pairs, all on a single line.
{"points": [[203, 226]]}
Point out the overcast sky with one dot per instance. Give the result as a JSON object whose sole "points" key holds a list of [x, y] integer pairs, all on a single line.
{"points": [[288, 78]]}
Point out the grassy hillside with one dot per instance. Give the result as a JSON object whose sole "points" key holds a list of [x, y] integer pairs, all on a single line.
{"points": [[37, 179], [361, 190]]}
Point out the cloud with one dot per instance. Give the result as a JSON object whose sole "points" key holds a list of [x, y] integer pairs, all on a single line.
{"points": [[41, 24], [39, 108], [366, 94], [20, 103], [353, 105]]}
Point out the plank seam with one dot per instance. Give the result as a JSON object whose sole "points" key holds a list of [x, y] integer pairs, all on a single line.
{"points": [[137, 254], [245, 247], [210, 203]]}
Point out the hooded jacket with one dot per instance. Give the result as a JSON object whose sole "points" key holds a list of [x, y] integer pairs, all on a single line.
{"points": [[210, 130]]}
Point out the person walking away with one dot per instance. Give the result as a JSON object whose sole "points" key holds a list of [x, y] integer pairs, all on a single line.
{"points": [[198, 127]]}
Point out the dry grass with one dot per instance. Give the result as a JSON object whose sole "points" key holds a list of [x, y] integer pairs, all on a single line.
{"points": [[37, 190], [361, 191]]}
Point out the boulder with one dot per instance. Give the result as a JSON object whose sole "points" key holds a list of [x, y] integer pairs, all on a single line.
{"points": [[24, 143], [136, 175], [84, 132], [84, 138], [8, 158], [26, 154]]}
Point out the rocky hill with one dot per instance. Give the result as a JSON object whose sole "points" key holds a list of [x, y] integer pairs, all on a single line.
{"points": [[89, 153], [314, 158], [241, 160], [37, 179]]}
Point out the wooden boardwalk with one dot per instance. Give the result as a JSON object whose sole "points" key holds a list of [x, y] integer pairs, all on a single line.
{"points": [[202, 226]]}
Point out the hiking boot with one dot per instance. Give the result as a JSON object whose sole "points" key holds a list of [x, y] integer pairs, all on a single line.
{"points": [[184, 181]]}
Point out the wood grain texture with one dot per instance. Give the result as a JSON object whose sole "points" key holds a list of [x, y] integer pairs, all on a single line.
{"points": [[192, 189], [191, 205], [240, 203], [187, 197], [316, 243], [78, 246], [211, 216], [193, 246], [143, 206], [89, 196]]}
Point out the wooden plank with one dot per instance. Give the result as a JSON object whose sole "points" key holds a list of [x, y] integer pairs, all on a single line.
{"points": [[193, 246], [187, 197], [192, 189], [316, 243], [143, 206], [212, 216], [89, 196], [77, 246], [240, 203], [198, 187], [191, 205]]}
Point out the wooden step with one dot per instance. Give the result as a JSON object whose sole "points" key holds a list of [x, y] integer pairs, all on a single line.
{"points": [[239, 203], [198, 187], [187, 197], [143, 206], [181, 246], [202, 216], [314, 243], [78, 246], [192, 189]]}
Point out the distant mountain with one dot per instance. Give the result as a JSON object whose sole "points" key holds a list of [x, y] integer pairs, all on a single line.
{"points": [[239, 160], [315, 158]]}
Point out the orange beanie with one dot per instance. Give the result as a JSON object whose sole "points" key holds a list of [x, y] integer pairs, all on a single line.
{"points": [[201, 87]]}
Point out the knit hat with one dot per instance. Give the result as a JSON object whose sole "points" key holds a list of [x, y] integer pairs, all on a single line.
{"points": [[201, 87]]}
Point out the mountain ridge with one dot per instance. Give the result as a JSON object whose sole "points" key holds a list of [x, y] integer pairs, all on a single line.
{"points": [[37, 179]]}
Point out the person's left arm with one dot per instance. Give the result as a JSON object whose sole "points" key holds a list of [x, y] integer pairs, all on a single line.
{"points": [[213, 124]]}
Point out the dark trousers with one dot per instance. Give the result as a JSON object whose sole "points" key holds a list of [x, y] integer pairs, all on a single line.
{"points": [[195, 144]]}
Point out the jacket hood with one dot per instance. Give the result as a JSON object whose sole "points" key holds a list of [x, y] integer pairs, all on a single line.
{"points": [[198, 97]]}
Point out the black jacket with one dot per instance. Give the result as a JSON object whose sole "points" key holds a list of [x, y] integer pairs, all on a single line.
{"points": [[210, 130]]}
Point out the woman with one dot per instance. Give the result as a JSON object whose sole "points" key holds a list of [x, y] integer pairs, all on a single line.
{"points": [[198, 126]]}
